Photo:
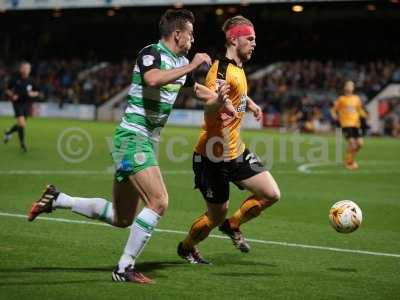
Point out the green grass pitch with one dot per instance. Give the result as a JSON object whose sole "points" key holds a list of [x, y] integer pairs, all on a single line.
{"points": [[49, 259]]}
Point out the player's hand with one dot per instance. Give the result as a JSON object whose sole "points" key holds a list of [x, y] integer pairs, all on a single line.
{"points": [[227, 113], [257, 113], [33, 94], [223, 91], [228, 110], [14, 97], [200, 58]]}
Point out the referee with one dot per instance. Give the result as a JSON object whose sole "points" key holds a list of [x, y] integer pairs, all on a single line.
{"points": [[20, 90]]}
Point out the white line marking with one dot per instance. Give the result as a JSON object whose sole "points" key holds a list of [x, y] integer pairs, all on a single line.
{"points": [[286, 244], [302, 168], [54, 172], [305, 168]]}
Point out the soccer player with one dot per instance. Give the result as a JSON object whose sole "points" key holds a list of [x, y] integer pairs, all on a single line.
{"points": [[20, 91], [160, 71], [220, 156], [348, 110]]}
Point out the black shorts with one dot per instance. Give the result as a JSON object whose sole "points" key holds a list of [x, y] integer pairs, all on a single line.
{"points": [[351, 132], [21, 109], [213, 178]]}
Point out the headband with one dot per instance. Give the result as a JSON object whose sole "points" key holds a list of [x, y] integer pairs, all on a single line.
{"points": [[240, 30]]}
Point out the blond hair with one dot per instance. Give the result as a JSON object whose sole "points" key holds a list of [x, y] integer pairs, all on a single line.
{"points": [[236, 20]]}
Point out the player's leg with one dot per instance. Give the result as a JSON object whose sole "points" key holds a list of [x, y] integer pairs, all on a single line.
{"points": [[151, 189], [210, 179], [93, 208], [350, 146], [351, 150], [265, 192], [8, 133], [200, 229], [125, 204], [357, 144], [99, 208], [21, 131]]}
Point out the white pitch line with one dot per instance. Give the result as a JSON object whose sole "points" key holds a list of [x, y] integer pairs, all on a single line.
{"points": [[286, 244], [302, 168], [76, 172], [305, 168], [54, 172]]}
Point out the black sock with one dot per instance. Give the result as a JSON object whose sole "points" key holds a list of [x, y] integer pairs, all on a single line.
{"points": [[12, 129], [21, 135]]}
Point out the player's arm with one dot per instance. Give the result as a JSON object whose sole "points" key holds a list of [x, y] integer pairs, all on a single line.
{"points": [[335, 109], [216, 83], [149, 62], [219, 102], [32, 93], [10, 94], [10, 91], [213, 99], [360, 110], [207, 96], [254, 108]]}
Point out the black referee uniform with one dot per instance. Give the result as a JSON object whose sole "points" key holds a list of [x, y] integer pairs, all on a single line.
{"points": [[20, 86]]}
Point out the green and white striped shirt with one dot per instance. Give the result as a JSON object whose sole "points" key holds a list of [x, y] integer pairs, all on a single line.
{"points": [[148, 108]]}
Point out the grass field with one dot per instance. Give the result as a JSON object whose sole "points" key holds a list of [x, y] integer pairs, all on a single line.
{"points": [[295, 253]]}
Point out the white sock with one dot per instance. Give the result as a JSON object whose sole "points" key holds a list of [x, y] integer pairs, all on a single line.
{"points": [[94, 208], [140, 234], [63, 201]]}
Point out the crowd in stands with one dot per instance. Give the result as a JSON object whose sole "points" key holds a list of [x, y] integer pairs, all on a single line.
{"points": [[389, 112], [73, 81], [300, 94], [297, 95]]}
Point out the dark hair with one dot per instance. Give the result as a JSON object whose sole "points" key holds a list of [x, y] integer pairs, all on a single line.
{"points": [[174, 19]]}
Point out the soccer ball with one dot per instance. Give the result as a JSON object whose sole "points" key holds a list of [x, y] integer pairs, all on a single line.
{"points": [[345, 216]]}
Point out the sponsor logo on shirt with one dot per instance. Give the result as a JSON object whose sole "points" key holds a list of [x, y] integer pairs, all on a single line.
{"points": [[148, 60]]}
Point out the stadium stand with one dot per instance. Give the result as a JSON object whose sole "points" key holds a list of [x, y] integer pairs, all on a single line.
{"points": [[297, 94], [74, 81]]}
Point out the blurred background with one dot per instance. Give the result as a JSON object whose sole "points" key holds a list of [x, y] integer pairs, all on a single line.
{"points": [[83, 51]]}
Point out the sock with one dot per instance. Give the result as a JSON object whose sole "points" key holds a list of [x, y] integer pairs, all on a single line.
{"points": [[349, 157], [21, 135], [201, 228], [12, 129], [250, 209], [94, 208], [141, 231]]}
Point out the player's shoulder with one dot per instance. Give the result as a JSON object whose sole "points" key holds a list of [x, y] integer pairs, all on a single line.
{"points": [[151, 49], [220, 67], [341, 98], [224, 62], [13, 79]]}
